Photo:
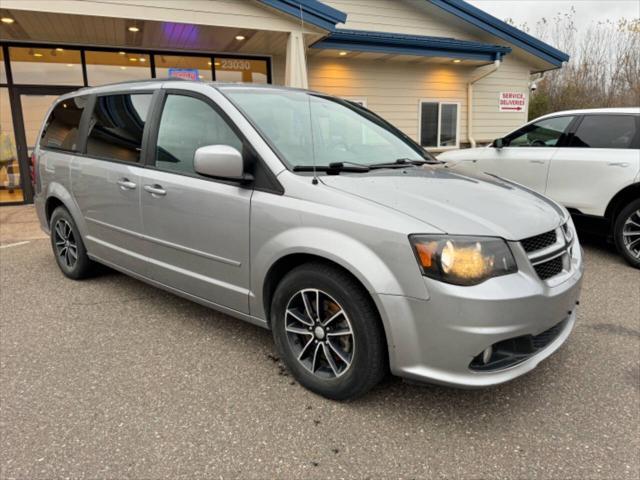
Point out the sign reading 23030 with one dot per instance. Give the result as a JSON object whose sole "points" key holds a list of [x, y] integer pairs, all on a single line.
{"points": [[235, 64]]}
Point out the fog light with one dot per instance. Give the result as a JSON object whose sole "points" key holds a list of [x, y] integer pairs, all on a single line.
{"points": [[486, 355]]}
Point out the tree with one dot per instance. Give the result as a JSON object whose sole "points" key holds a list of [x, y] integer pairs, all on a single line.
{"points": [[604, 69]]}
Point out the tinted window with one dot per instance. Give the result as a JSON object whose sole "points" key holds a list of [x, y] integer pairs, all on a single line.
{"points": [[61, 129], [438, 124], [117, 125], [449, 125], [186, 125], [605, 131], [545, 133], [429, 124]]}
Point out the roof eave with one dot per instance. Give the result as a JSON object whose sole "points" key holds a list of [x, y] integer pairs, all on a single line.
{"points": [[312, 12], [399, 44], [502, 30]]}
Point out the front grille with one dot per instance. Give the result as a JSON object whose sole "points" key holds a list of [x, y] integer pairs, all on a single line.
{"points": [[512, 351], [549, 269], [539, 242], [549, 252]]}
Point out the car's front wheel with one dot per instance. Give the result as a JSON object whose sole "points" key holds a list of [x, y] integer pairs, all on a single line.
{"points": [[67, 245], [328, 332], [626, 232]]}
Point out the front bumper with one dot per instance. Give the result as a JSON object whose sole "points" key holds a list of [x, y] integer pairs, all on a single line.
{"points": [[436, 340]]}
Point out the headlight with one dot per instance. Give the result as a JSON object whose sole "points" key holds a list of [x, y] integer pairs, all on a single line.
{"points": [[462, 260]]}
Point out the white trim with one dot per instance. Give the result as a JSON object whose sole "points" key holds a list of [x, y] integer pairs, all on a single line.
{"points": [[457, 103]]}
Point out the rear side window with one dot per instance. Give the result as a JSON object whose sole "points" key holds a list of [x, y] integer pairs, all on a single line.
{"points": [[186, 125], [605, 131], [117, 125], [61, 130]]}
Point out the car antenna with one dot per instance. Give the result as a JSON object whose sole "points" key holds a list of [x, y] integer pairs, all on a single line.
{"points": [[314, 181]]}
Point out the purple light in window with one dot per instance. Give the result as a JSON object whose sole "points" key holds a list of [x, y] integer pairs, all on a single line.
{"points": [[180, 33]]}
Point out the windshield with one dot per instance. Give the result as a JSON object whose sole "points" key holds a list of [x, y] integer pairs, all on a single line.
{"points": [[303, 126]]}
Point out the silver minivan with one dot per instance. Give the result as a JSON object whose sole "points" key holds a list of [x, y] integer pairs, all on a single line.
{"points": [[313, 217]]}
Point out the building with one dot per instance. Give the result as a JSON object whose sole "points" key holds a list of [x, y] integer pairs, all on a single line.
{"points": [[443, 71]]}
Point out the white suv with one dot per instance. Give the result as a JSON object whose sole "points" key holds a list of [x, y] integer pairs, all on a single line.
{"points": [[587, 160]]}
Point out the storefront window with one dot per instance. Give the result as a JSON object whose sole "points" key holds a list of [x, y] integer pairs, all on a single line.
{"points": [[201, 64], [9, 169], [240, 70], [45, 66], [3, 71], [112, 67]]}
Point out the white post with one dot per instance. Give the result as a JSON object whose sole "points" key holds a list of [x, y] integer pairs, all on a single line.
{"points": [[295, 74]]}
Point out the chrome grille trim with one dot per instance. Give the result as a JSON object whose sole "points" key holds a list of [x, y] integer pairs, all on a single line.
{"points": [[561, 248]]}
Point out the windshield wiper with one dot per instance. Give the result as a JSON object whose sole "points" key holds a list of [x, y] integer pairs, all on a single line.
{"points": [[333, 168], [399, 163], [336, 167]]}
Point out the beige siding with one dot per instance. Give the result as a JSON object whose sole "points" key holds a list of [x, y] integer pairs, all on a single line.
{"points": [[416, 17], [392, 89], [488, 122]]}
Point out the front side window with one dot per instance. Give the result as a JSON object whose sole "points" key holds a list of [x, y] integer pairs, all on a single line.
{"points": [[187, 124], [605, 131], [438, 124], [117, 125], [61, 128], [545, 133], [306, 128]]}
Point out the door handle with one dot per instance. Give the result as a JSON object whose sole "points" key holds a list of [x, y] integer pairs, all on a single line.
{"points": [[618, 164], [541, 162], [126, 184], [155, 190]]}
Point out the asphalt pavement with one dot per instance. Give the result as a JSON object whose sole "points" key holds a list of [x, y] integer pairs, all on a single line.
{"points": [[112, 378]]}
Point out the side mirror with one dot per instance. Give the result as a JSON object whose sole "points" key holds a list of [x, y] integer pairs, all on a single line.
{"points": [[221, 161], [498, 143]]}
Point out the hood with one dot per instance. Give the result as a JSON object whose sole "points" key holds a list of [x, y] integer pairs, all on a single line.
{"points": [[454, 203]]}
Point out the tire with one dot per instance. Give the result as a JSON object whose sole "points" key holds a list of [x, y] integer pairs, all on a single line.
{"points": [[628, 222], [359, 358], [65, 240]]}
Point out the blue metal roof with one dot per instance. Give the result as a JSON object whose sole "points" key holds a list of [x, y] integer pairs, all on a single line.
{"points": [[502, 30], [313, 12], [397, 43]]}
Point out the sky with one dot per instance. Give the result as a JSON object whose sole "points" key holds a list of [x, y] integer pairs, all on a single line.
{"points": [[587, 11]]}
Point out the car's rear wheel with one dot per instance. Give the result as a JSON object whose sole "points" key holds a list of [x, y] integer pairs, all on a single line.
{"points": [[68, 248], [328, 332], [627, 233]]}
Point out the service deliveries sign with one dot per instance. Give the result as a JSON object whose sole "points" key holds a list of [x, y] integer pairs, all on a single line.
{"points": [[512, 101]]}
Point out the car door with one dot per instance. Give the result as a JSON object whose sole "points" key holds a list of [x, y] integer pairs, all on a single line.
{"points": [[526, 153], [197, 228], [106, 179], [601, 158]]}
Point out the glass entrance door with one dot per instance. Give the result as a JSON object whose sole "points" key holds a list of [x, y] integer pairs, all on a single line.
{"points": [[10, 186]]}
